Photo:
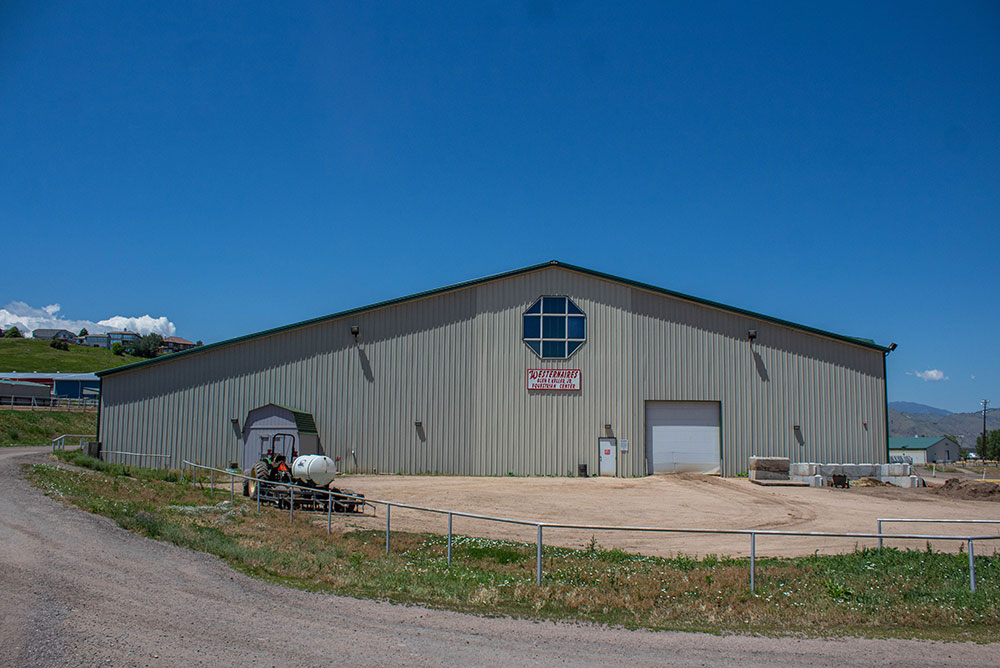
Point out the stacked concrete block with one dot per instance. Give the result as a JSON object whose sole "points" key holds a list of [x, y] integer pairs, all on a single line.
{"points": [[819, 475]]}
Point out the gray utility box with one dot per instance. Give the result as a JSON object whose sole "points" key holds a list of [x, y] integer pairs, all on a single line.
{"points": [[92, 448]]}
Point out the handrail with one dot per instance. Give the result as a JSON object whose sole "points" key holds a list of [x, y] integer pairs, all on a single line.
{"points": [[540, 525], [59, 442]]}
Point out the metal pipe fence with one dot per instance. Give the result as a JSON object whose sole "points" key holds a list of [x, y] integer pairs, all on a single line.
{"points": [[752, 533], [925, 520], [59, 442]]}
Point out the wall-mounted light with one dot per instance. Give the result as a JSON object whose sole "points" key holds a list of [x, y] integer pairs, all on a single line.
{"points": [[607, 426], [418, 423], [892, 346], [355, 331], [751, 334]]}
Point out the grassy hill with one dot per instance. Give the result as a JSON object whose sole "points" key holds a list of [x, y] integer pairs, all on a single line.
{"points": [[40, 427], [30, 355], [964, 426]]}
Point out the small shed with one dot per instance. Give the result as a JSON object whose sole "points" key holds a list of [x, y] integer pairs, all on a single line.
{"points": [[924, 449], [285, 430]]}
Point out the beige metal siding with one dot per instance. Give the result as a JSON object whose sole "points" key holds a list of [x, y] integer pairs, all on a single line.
{"points": [[456, 362]]}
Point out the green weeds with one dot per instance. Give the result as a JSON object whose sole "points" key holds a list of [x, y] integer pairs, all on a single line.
{"points": [[888, 592]]}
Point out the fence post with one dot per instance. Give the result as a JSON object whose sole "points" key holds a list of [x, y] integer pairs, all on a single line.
{"points": [[291, 504], [257, 489], [329, 511], [232, 488], [388, 512], [211, 482], [972, 569], [753, 560], [879, 534], [538, 558], [449, 539]]}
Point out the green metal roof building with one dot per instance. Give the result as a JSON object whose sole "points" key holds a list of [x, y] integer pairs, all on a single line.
{"points": [[924, 449], [535, 371]]}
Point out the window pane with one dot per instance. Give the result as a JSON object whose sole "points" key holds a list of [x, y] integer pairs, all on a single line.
{"points": [[536, 307], [554, 327], [553, 304], [553, 349], [536, 346], [572, 308], [571, 347], [576, 328], [532, 326]]}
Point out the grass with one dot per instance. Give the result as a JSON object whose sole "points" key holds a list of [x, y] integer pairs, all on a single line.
{"points": [[28, 355], [40, 427], [876, 593]]}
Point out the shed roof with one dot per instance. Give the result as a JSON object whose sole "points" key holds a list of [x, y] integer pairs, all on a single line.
{"points": [[303, 421], [915, 442], [864, 343]]}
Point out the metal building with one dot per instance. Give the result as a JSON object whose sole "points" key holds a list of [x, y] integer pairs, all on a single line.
{"points": [[536, 371]]}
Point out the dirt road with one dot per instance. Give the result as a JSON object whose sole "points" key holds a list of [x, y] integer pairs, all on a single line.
{"points": [[78, 591]]}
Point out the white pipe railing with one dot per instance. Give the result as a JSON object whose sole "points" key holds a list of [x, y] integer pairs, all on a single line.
{"points": [[752, 533], [59, 442]]}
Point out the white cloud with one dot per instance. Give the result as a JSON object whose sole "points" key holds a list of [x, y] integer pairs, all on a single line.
{"points": [[27, 318], [929, 375], [972, 377]]}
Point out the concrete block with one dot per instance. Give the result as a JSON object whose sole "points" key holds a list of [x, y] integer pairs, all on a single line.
{"points": [[802, 469], [895, 469], [827, 470], [773, 464], [865, 471], [907, 481]]}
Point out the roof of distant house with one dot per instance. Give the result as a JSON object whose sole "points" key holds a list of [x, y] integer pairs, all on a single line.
{"points": [[915, 442], [50, 332], [177, 339]]}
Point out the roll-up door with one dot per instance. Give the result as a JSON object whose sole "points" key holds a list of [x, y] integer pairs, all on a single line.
{"points": [[683, 436]]}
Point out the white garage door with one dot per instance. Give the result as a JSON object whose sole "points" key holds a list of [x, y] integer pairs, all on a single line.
{"points": [[683, 436]]}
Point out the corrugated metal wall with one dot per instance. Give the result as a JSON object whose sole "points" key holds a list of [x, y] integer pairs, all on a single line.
{"points": [[456, 363]]}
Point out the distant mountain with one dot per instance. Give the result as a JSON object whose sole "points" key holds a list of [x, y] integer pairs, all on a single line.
{"points": [[917, 409], [963, 426]]}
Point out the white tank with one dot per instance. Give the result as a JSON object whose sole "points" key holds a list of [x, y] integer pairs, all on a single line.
{"points": [[315, 469]]}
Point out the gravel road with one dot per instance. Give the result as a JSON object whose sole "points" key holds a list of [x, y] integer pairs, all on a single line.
{"points": [[79, 591]]}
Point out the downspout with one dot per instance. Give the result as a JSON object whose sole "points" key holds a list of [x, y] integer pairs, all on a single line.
{"points": [[885, 392]]}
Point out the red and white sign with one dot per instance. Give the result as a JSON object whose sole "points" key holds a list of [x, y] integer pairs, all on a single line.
{"points": [[554, 379]]}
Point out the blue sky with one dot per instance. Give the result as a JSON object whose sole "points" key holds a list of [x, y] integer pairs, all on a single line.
{"points": [[236, 166]]}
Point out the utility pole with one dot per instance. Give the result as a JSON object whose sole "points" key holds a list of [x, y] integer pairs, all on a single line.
{"points": [[983, 452]]}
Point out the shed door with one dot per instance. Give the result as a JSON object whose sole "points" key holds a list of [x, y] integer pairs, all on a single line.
{"points": [[683, 436]]}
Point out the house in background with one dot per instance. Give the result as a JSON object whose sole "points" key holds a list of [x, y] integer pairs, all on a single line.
{"points": [[174, 344], [924, 449], [94, 341], [124, 337], [54, 335]]}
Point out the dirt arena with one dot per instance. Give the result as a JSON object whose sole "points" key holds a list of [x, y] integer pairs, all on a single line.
{"points": [[673, 501]]}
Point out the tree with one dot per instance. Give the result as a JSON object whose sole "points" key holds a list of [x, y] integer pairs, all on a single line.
{"points": [[990, 449], [13, 333], [199, 343], [83, 332], [117, 348], [147, 346]]}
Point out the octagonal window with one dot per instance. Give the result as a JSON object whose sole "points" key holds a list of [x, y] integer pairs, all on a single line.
{"points": [[554, 327]]}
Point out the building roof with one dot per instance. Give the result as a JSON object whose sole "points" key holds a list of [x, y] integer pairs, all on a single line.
{"points": [[915, 442], [34, 375], [22, 383], [864, 343], [177, 339], [49, 332]]}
